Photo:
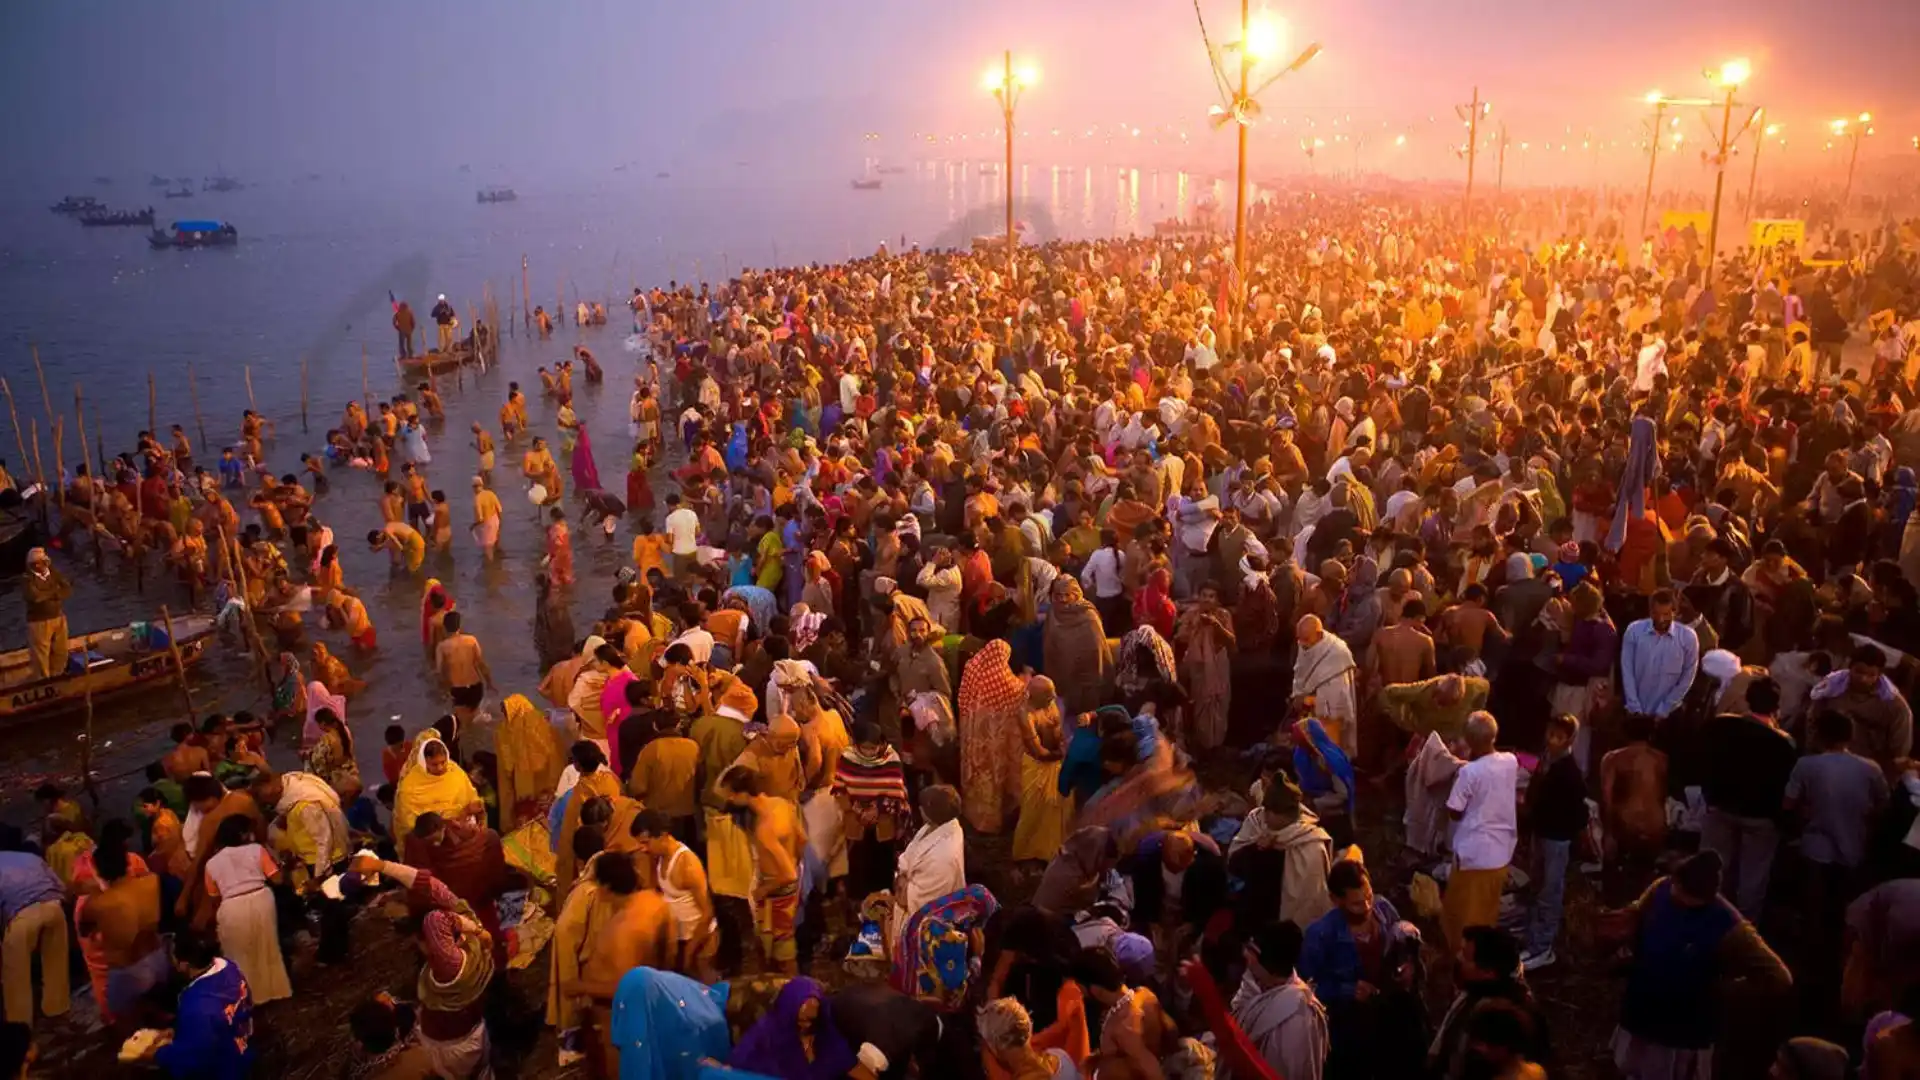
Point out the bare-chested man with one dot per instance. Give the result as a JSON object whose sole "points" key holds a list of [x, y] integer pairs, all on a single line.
{"points": [[1394, 596], [462, 668], [1403, 651], [1464, 628], [636, 930], [1633, 807], [1135, 1033], [773, 827]]}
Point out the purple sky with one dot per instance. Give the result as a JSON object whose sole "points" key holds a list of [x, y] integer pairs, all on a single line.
{"points": [[381, 88]]}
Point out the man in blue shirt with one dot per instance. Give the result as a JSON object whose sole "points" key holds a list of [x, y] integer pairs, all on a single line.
{"points": [[1658, 660], [213, 1029], [30, 897]]}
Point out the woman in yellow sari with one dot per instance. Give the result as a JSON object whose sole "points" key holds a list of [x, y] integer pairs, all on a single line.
{"points": [[1044, 812], [328, 669], [529, 760], [430, 781], [596, 781]]}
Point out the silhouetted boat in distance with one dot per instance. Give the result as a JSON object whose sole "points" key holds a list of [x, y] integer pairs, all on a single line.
{"points": [[867, 185], [221, 183], [495, 194], [194, 234], [156, 180], [117, 217], [76, 204], [891, 170], [103, 181], [180, 193]]}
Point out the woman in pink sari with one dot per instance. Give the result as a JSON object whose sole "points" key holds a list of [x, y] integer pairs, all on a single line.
{"points": [[586, 475], [993, 705], [318, 698]]}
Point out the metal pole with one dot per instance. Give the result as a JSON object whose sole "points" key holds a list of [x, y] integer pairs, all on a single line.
{"points": [[1753, 170], [1852, 160], [1473, 148], [1653, 159], [1006, 114], [1500, 177], [1240, 188], [1719, 183]]}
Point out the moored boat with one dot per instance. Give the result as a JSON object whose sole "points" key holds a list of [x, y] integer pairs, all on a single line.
{"points": [[118, 217], [867, 185], [496, 194], [194, 234], [180, 193], [100, 663], [76, 204]]}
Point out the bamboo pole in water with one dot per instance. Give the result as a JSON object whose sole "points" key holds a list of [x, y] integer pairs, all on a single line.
{"points": [[303, 395], [179, 665], [39, 473], [153, 422], [45, 398], [93, 478], [251, 623], [526, 294], [366, 395], [59, 464], [19, 434], [193, 387], [247, 372], [86, 740]]}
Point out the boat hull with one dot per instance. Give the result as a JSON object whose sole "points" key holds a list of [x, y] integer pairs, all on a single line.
{"points": [[123, 670]]}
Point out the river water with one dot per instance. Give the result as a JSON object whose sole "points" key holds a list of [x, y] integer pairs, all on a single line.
{"points": [[310, 279]]}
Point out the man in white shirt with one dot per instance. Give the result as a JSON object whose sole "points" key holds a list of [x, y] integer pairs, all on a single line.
{"points": [[1486, 825], [683, 531]]}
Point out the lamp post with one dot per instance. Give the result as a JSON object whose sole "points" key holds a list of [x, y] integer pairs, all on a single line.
{"points": [[1856, 131], [1660, 103], [1261, 39], [1729, 77], [1760, 137], [1006, 84]]}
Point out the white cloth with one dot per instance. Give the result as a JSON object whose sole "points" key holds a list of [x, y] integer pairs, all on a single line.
{"points": [[1485, 795], [683, 529], [933, 865], [1325, 671], [1287, 1024]]}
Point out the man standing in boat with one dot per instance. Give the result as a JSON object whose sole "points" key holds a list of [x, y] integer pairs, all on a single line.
{"points": [[444, 316], [46, 591], [403, 327]]}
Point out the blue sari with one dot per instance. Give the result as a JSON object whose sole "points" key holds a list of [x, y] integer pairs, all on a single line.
{"points": [[664, 1025], [1315, 780]]}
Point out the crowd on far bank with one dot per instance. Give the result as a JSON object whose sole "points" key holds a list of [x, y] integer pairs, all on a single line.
{"points": [[1506, 570]]}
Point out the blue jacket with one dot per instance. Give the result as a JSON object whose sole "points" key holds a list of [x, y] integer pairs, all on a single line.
{"points": [[1328, 958], [213, 1033]]}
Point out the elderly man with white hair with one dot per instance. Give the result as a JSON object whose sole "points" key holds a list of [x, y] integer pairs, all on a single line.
{"points": [[1323, 669], [1484, 807]]}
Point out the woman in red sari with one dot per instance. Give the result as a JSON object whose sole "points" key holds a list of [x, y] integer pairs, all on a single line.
{"points": [[1153, 604], [993, 702]]}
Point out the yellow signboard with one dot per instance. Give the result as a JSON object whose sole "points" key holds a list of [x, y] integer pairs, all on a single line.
{"points": [[1770, 232], [1679, 221]]}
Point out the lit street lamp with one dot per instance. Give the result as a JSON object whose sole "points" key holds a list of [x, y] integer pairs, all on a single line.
{"points": [[1729, 77], [1005, 84], [1760, 137], [1660, 103], [1848, 129], [1262, 38]]}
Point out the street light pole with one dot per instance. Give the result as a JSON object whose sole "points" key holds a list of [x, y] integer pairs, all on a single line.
{"points": [[1473, 149], [1719, 179], [1500, 177], [1006, 109], [1240, 192], [1846, 196], [1760, 134], [1653, 160]]}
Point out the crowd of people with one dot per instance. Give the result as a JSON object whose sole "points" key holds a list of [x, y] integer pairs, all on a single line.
{"points": [[1510, 572]]}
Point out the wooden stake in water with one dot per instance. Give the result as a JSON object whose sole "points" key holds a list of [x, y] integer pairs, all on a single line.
{"points": [[86, 731], [45, 398], [193, 387], [93, 478], [526, 294], [179, 665], [366, 394], [247, 371], [59, 464], [39, 473], [303, 395], [153, 422], [19, 436]]}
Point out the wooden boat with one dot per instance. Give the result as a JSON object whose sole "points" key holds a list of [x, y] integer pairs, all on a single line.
{"points": [[118, 217], [76, 204], [867, 185], [180, 193], [496, 194], [118, 660], [463, 352], [195, 234]]}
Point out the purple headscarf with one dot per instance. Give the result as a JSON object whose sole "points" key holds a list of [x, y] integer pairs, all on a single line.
{"points": [[772, 1046]]}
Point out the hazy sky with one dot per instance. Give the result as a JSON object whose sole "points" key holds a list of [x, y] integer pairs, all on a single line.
{"points": [[266, 86]]}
